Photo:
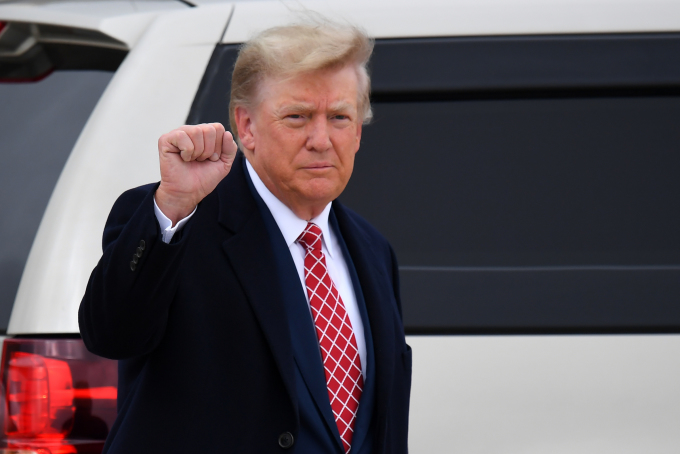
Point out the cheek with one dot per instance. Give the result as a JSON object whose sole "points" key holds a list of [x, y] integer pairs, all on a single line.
{"points": [[282, 145], [347, 144], [349, 168]]}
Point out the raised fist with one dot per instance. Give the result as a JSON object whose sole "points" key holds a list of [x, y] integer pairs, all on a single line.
{"points": [[193, 160]]}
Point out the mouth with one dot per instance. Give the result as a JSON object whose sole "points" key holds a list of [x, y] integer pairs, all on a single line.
{"points": [[318, 166]]}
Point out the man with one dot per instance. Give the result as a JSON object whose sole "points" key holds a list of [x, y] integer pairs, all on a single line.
{"points": [[250, 311]]}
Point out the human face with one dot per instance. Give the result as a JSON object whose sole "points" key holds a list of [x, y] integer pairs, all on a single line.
{"points": [[301, 137]]}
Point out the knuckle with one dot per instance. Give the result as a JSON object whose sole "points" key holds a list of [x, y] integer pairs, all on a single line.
{"points": [[187, 129], [209, 131], [196, 133]]}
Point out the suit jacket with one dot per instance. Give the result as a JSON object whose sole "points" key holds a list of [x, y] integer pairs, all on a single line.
{"points": [[200, 326]]}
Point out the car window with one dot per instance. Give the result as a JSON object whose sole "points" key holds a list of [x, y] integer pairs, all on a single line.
{"points": [[524, 183], [39, 125], [528, 214]]}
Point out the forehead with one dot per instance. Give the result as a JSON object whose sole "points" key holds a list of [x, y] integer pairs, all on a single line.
{"points": [[336, 85]]}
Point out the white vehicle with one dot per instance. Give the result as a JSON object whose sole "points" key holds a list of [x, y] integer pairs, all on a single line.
{"points": [[523, 162]]}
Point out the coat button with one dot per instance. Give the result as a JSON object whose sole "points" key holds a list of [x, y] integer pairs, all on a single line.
{"points": [[133, 265], [139, 252], [286, 440], [135, 259], [142, 244]]}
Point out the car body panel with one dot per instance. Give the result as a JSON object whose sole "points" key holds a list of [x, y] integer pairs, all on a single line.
{"points": [[545, 394], [398, 19]]}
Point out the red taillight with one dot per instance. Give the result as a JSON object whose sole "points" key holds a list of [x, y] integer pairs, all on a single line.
{"points": [[59, 398], [2, 25], [39, 397]]}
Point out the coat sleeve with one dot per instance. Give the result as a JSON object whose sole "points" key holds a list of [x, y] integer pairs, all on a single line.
{"points": [[125, 308]]}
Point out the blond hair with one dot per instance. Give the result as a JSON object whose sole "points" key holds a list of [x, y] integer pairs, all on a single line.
{"points": [[291, 50]]}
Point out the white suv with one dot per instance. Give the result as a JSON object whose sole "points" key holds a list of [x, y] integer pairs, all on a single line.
{"points": [[522, 161]]}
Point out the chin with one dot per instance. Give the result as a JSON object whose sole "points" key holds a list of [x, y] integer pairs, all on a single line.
{"points": [[320, 194], [321, 188]]}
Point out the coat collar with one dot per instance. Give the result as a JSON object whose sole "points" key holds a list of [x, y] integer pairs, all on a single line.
{"points": [[290, 225]]}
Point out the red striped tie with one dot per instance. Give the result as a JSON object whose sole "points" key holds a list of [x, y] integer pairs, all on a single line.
{"points": [[336, 338]]}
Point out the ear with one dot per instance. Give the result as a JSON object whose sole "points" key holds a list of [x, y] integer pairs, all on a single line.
{"points": [[246, 127]]}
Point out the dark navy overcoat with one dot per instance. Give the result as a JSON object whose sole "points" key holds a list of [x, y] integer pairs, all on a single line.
{"points": [[199, 326]]}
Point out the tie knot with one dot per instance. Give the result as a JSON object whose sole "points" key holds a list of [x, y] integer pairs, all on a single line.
{"points": [[311, 237]]}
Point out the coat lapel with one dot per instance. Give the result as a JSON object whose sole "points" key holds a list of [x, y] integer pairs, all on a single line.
{"points": [[251, 256], [380, 301]]}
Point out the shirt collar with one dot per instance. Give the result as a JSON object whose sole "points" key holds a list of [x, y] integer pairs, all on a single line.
{"points": [[290, 225]]}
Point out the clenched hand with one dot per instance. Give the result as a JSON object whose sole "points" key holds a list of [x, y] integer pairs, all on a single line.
{"points": [[193, 160]]}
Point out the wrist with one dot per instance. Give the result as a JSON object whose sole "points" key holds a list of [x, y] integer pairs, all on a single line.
{"points": [[174, 206]]}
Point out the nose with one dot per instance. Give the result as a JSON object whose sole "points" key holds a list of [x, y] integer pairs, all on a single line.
{"points": [[318, 138]]}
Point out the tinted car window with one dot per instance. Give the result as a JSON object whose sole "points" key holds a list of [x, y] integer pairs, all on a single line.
{"points": [[528, 213], [524, 182], [39, 125]]}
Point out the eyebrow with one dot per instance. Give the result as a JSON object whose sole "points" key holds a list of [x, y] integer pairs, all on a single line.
{"points": [[305, 107], [341, 106], [295, 108]]}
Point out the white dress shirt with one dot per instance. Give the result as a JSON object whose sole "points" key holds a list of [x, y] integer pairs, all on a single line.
{"points": [[167, 230], [291, 227]]}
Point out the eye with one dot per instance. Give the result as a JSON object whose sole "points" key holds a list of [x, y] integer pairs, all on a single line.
{"points": [[295, 119]]}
